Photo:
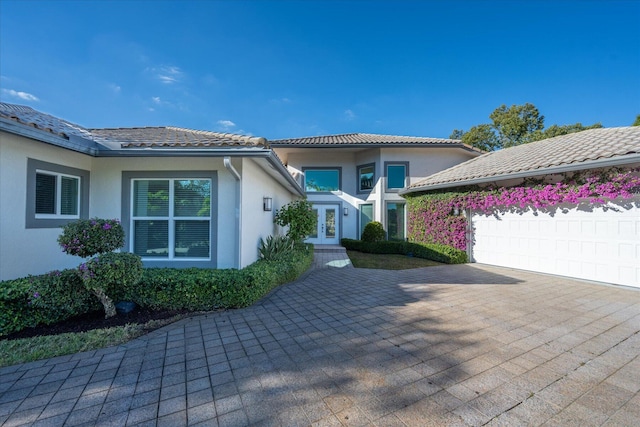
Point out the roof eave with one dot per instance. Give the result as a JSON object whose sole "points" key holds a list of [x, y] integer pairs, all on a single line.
{"points": [[57, 140], [185, 152], [261, 153], [592, 164], [377, 145]]}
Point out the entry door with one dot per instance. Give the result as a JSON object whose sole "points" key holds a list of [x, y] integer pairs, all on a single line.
{"points": [[327, 232]]}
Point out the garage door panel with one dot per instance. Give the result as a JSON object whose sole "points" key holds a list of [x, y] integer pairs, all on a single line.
{"points": [[601, 244]]}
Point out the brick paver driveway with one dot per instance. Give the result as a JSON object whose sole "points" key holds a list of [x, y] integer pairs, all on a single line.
{"points": [[449, 345]]}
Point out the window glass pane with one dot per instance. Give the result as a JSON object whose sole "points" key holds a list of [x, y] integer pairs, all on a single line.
{"points": [[330, 223], [69, 188], [395, 221], [366, 178], [192, 239], [151, 198], [192, 197], [151, 238], [395, 176], [322, 180], [366, 216], [314, 235], [45, 194]]}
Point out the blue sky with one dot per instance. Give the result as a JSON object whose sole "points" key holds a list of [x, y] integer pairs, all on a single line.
{"points": [[283, 69]]}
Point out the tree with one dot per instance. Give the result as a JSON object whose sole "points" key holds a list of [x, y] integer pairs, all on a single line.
{"points": [[555, 130], [511, 126], [514, 124], [482, 137], [299, 217], [637, 122]]}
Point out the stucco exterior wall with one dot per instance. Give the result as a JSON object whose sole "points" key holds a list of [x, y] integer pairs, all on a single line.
{"points": [[256, 222], [25, 251], [422, 162], [106, 191], [34, 250], [347, 198]]}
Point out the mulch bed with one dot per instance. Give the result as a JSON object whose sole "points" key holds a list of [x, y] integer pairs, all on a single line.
{"points": [[95, 320]]}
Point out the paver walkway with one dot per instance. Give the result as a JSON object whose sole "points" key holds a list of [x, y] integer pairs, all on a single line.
{"points": [[447, 345]]}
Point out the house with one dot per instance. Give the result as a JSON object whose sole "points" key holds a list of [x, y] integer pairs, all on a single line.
{"points": [[185, 197], [194, 198], [353, 179], [600, 243]]}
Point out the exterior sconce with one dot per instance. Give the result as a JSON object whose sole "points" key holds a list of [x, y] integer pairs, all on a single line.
{"points": [[456, 211], [346, 211], [267, 204]]}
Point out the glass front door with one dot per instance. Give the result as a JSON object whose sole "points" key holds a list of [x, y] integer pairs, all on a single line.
{"points": [[327, 229]]}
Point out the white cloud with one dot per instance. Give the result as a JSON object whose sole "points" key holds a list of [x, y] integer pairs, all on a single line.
{"points": [[280, 101], [156, 100], [20, 95], [115, 88], [169, 74], [226, 124], [349, 115]]}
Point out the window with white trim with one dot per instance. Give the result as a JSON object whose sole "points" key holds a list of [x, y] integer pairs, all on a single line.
{"points": [[57, 195], [171, 218]]}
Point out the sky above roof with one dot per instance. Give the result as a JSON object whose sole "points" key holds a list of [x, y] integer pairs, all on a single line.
{"points": [[283, 69]]}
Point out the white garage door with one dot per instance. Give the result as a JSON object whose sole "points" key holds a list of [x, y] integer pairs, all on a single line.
{"points": [[601, 245]]}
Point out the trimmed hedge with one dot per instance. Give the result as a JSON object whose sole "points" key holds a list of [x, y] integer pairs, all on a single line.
{"points": [[202, 289], [43, 299], [434, 252], [59, 295]]}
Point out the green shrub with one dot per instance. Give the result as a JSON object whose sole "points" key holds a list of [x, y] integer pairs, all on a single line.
{"points": [[59, 295], [88, 237], [373, 232], [299, 217], [115, 272], [275, 247], [434, 252], [43, 299], [204, 289]]}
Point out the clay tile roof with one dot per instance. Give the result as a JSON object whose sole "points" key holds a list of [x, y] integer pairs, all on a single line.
{"points": [[572, 149], [45, 122], [175, 137], [363, 139]]}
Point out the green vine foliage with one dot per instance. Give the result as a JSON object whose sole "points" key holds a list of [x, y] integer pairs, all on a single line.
{"points": [[299, 217]]}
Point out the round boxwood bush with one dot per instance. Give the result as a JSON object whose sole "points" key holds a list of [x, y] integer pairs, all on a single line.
{"points": [[373, 232]]}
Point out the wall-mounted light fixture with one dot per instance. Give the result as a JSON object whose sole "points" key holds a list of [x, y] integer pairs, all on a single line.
{"points": [[456, 211], [267, 204], [346, 211]]}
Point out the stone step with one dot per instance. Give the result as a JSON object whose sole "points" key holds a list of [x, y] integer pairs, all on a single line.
{"points": [[329, 248]]}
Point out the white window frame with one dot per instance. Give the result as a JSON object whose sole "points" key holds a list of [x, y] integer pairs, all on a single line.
{"points": [[58, 201], [171, 219]]}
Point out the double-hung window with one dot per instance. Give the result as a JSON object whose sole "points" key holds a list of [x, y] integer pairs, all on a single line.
{"points": [[171, 218], [322, 180], [57, 195]]}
